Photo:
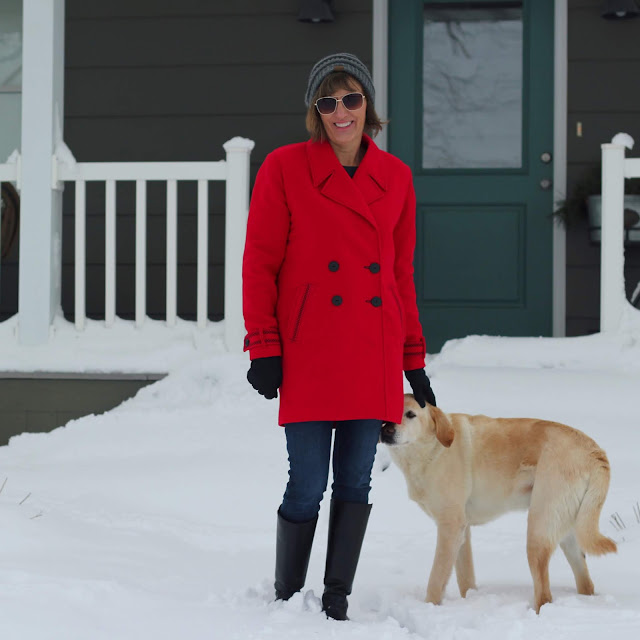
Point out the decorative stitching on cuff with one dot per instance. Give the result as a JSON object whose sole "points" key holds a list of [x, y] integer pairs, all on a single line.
{"points": [[261, 337]]}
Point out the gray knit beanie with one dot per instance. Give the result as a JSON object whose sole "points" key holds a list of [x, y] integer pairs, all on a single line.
{"points": [[346, 62]]}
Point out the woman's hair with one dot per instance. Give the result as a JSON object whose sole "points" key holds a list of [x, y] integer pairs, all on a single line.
{"points": [[331, 84]]}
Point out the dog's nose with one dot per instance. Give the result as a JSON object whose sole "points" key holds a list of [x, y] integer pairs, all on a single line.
{"points": [[388, 430]]}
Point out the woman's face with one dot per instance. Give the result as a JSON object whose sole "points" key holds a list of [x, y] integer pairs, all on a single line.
{"points": [[343, 127]]}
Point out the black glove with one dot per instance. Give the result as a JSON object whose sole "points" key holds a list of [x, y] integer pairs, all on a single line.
{"points": [[265, 376], [421, 387]]}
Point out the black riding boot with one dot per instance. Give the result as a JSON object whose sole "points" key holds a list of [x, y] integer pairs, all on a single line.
{"points": [[293, 548], [347, 525]]}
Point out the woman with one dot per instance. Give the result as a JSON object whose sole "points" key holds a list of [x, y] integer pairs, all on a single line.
{"points": [[331, 316]]}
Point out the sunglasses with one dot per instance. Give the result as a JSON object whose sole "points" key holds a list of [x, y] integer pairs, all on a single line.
{"points": [[352, 102]]}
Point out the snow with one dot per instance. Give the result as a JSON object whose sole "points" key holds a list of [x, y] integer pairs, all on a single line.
{"points": [[157, 519], [13, 157], [64, 154], [121, 348], [623, 139]]}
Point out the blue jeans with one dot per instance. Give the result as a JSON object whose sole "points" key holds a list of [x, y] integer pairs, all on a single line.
{"points": [[309, 448]]}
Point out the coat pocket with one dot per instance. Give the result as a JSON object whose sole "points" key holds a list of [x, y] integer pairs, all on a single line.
{"points": [[295, 322], [396, 297]]}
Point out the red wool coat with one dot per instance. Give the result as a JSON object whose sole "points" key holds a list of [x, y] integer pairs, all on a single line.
{"points": [[328, 281]]}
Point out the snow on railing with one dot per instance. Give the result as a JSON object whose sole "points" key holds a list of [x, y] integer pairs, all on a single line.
{"points": [[10, 170], [234, 170], [615, 168]]}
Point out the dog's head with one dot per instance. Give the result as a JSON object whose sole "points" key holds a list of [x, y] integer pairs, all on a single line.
{"points": [[418, 426]]}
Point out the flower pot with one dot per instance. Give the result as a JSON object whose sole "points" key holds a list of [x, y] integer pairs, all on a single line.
{"points": [[631, 218]]}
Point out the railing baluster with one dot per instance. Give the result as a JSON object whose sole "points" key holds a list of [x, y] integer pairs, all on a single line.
{"points": [[141, 251], [80, 255], [110, 254], [172, 252], [203, 253], [170, 172]]}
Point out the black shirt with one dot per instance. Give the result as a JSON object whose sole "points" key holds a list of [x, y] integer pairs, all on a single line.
{"points": [[350, 170]]}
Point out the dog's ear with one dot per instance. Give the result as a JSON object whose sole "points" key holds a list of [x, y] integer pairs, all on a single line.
{"points": [[444, 429]]}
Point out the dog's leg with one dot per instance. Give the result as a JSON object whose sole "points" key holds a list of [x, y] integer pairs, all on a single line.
{"points": [[576, 559], [450, 537], [464, 565], [539, 550], [539, 553]]}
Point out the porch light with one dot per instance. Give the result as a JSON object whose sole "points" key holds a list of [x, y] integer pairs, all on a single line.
{"points": [[619, 9], [315, 11]]}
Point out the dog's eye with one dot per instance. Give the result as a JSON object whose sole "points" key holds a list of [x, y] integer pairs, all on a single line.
{"points": [[410, 414]]}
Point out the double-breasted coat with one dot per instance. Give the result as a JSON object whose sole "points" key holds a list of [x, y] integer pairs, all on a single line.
{"points": [[328, 281]]}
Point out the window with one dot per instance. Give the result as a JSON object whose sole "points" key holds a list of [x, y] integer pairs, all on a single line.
{"points": [[10, 76], [472, 85]]}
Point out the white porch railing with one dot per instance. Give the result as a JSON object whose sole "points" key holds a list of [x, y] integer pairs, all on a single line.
{"points": [[234, 171], [615, 168]]}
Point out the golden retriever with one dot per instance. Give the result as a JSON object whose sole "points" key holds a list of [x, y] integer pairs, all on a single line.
{"points": [[465, 470]]}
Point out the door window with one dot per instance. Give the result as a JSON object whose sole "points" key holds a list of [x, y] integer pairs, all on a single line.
{"points": [[10, 76], [472, 86]]}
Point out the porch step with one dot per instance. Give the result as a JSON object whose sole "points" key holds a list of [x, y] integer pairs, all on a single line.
{"points": [[38, 402]]}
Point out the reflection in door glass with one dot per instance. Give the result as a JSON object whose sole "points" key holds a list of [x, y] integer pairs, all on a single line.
{"points": [[10, 44], [472, 86], [10, 75]]}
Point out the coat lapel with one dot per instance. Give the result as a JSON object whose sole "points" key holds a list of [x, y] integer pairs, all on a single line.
{"points": [[367, 186], [370, 177]]}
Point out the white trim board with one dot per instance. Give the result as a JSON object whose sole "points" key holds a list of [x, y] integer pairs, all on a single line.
{"points": [[380, 57], [559, 312]]}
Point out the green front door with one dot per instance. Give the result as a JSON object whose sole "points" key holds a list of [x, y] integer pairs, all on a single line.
{"points": [[471, 111]]}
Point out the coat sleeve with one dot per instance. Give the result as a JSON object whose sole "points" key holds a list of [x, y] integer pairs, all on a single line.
{"points": [[267, 233], [404, 237]]}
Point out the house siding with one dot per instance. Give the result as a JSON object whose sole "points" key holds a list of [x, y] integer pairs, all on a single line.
{"points": [[168, 81], [173, 81], [163, 80], [603, 95]]}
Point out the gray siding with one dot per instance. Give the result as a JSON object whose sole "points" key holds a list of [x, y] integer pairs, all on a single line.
{"points": [[172, 81], [59, 399], [167, 80], [604, 95]]}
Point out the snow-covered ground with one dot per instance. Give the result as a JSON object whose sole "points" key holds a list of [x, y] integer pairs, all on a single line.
{"points": [[157, 520]]}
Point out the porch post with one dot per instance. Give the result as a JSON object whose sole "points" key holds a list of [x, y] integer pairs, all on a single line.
{"points": [[380, 67], [237, 210], [41, 204], [612, 292]]}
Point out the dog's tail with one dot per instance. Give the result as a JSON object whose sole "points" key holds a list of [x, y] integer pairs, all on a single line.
{"points": [[587, 521]]}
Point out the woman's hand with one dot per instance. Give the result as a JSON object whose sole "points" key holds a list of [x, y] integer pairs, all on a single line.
{"points": [[421, 387], [265, 376]]}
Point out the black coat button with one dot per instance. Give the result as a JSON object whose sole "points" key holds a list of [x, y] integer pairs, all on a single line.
{"points": [[376, 301], [336, 300], [374, 267], [333, 266], [247, 342]]}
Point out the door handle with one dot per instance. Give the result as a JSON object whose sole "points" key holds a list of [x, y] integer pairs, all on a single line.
{"points": [[545, 184]]}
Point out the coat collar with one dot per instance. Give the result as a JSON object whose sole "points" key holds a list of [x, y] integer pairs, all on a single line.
{"points": [[368, 185]]}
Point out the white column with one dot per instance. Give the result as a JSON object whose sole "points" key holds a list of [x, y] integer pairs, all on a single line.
{"points": [[380, 70], [612, 292], [560, 167], [237, 210], [41, 205]]}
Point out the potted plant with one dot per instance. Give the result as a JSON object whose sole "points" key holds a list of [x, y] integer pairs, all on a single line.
{"points": [[584, 202]]}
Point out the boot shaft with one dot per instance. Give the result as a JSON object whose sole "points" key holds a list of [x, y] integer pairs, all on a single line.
{"points": [[293, 549], [347, 526]]}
